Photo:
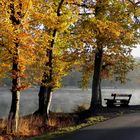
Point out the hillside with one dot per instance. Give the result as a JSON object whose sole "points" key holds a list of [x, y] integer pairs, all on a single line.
{"points": [[74, 78]]}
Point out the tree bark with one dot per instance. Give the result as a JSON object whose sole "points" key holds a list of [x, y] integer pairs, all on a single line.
{"points": [[45, 96], [13, 117], [14, 111], [96, 82], [96, 99], [100, 93], [45, 92]]}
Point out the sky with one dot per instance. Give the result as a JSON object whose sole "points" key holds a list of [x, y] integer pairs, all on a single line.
{"points": [[136, 51]]}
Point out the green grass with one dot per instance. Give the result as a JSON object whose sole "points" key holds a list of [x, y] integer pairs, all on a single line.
{"points": [[62, 131]]}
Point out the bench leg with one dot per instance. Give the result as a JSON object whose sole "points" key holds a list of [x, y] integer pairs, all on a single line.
{"points": [[110, 103], [124, 103]]}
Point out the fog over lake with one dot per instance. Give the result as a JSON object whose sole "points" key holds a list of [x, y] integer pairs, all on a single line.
{"points": [[64, 100]]}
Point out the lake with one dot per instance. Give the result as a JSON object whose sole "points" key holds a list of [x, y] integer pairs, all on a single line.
{"points": [[64, 100]]}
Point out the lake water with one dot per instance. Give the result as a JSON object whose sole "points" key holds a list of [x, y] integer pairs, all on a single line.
{"points": [[64, 100]]}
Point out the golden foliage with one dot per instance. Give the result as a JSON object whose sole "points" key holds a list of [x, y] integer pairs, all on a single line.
{"points": [[111, 24]]}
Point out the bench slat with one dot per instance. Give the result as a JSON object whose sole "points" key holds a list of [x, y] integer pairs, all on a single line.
{"points": [[121, 95]]}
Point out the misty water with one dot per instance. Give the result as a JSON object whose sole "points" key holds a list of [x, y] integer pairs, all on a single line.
{"points": [[64, 100]]}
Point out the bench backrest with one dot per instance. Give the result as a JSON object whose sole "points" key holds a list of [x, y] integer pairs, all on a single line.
{"points": [[121, 95]]}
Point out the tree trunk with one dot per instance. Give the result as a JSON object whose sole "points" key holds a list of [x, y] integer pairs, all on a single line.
{"points": [[45, 96], [15, 18], [14, 111], [47, 103], [45, 92], [100, 93], [13, 117], [96, 97]]}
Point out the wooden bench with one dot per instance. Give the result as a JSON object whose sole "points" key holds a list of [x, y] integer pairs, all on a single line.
{"points": [[118, 100]]}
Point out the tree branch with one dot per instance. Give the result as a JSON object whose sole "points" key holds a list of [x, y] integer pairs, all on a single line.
{"points": [[135, 4]]}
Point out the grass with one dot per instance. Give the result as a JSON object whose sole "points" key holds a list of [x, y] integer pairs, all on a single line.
{"points": [[58, 124], [104, 114], [32, 128], [61, 131]]}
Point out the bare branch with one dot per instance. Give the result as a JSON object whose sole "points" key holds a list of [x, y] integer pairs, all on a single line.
{"points": [[135, 4], [86, 14], [83, 5]]}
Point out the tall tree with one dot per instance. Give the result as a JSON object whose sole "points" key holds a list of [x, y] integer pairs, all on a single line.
{"points": [[118, 28], [104, 25], [64, 15], [14, 40]]}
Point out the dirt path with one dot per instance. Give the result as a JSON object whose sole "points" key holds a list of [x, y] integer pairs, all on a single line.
{"points": [[126, 127]]}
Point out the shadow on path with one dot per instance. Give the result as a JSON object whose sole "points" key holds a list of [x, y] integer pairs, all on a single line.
{"points": [[104, 134], [126, 127]]}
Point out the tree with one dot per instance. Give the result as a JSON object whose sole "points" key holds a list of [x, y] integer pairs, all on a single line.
{"points": [[15, 42], [55, 67], [112, 38], [103, 26]]}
